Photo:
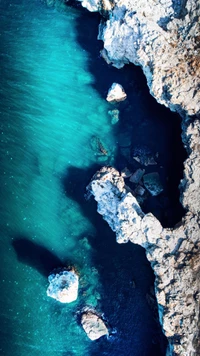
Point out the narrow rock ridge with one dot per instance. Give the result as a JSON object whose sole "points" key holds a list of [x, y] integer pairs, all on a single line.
{"points": [[173, 254], [161, 36]]}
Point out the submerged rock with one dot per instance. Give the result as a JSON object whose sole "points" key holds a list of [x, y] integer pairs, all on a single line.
{"points": [[152, 183], [137, 176], [93, 325], [116, 93], [63, 286], [97, 146], [114, 116], [144, 156]]}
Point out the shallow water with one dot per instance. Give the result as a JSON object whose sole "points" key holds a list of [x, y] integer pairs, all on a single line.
{"points": [[53, 88]]}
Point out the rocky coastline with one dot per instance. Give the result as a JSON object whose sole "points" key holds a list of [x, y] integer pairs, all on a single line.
{"points": [[163, 38]]}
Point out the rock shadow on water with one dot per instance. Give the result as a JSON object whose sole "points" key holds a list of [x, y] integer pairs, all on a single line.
{"points": [[126, 279], [35, 255]]}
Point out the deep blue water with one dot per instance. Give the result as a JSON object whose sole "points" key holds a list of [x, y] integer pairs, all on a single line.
{"points": [[52, 90]]}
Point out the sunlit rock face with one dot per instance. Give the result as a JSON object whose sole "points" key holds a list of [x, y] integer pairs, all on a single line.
{"points": [[116, 93], [163, 37], [93, 325], [190, 184], [63, 286], [173, 254]]}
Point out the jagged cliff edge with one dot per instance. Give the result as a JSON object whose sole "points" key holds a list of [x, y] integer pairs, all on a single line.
{"points": [[163, 37]]}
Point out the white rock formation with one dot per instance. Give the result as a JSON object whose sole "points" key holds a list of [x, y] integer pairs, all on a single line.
{"points": [[93, 325], [173, 254], [63, 286], [163, 37], [116, 93]]}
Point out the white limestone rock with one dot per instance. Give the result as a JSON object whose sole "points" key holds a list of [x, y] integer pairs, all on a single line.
{"points": [[63, 286], [114, 114], [93, 325], [116, 93], [173, 254]]}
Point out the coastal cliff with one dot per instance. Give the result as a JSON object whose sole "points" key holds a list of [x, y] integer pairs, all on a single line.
{"points": [[173, 254], [163, 37]]}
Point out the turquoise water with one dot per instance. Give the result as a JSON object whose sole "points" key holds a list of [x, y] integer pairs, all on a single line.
{"points": [[53, 87]]}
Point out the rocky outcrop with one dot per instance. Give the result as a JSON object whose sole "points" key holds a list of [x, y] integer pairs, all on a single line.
{"points": [[173, 254], [163, 37], [190, 184], [116, 93], [93, 325], [63, 285]]}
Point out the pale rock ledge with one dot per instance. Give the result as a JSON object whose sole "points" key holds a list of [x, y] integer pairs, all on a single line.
{"points": [[173, 254], [63, 285]]}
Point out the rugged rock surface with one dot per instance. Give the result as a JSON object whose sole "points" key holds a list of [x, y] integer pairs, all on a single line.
{"points": [[116, 93], [163, 37], [63, 286], [173, 254], [93, 325], [190, 185]]}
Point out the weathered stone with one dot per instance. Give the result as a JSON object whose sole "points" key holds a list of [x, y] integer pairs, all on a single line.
{"points": [[137, 176], [139, 190], [164, 41], [152, 183], [63, 286], [144, 156], [125, 173], [177, 283], [116, 93], [93, 325]]}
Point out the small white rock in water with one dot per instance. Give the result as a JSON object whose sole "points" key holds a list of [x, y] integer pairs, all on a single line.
{"points": [[93, 325], [116, 93], [63, 286]]}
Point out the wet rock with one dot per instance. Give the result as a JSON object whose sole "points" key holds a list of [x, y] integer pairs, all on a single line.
{"points": [[116, 93], [144, 156], [97, 146], [63, 286], [139, 190], [137, 176], [152, 183], [114, 116], [93, 325]]}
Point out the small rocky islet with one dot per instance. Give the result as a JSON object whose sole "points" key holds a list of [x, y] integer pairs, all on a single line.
{"points": [[63, 286]]}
